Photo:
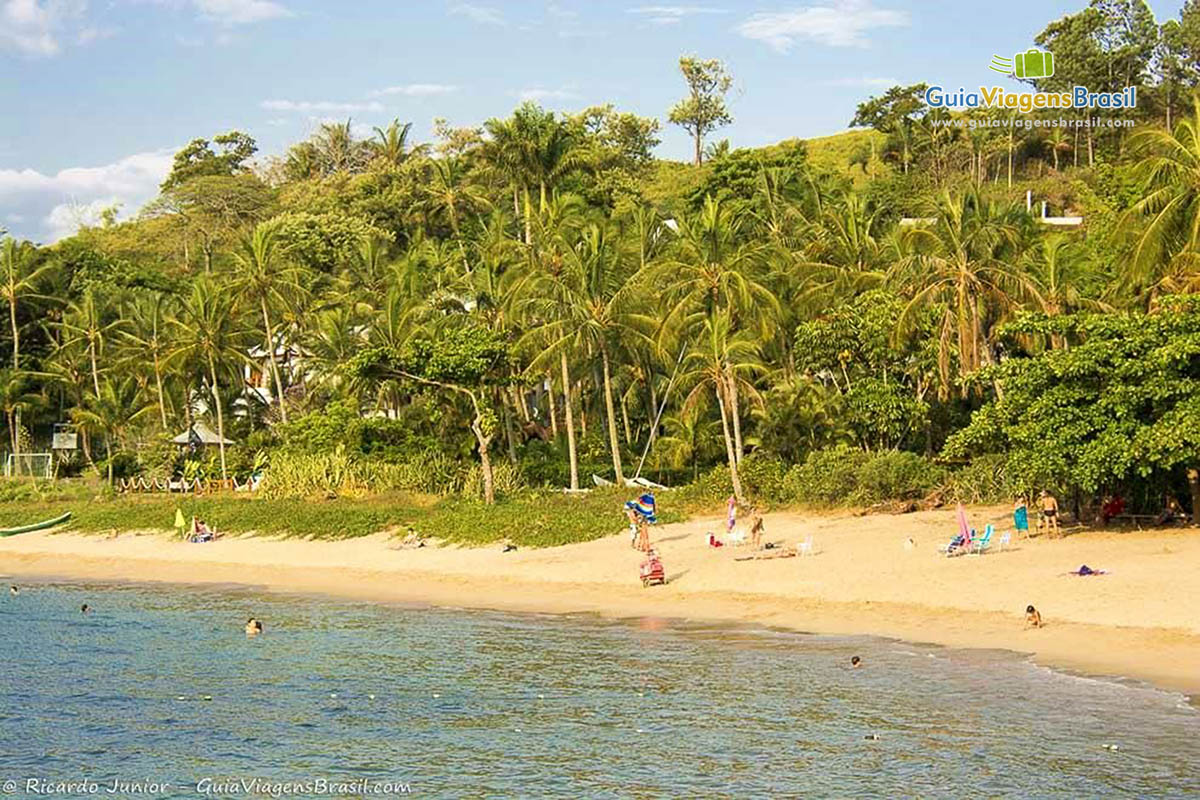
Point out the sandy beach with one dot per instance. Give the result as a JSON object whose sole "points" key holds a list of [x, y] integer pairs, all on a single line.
{"points": [[1140, 620]]}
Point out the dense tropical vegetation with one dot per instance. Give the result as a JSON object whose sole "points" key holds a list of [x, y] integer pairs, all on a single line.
{"points": [[540, 299]]}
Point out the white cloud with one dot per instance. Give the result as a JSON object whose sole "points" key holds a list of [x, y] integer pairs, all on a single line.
{"points": [[36, 27], [416, 90], [842, 24], [66, 218], [92, 34], [484, 15], [55, 200], [539, 95], [240, 12], [320, 106], [673, 15], [877, 83]]}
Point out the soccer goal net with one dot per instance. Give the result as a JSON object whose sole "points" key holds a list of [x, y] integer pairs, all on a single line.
{"points": [[29, 465]]}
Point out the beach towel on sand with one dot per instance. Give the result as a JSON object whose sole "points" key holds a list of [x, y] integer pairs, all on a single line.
{"points": [[1085, 570], [643, 506]]}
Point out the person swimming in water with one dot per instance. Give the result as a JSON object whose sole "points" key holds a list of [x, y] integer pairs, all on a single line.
{"points": [[13, 590], [253, 627], [85, 608], [1033, 617], [855, 662]]}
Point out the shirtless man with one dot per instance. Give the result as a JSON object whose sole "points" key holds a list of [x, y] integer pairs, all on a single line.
{"points": [[1049, 518]]}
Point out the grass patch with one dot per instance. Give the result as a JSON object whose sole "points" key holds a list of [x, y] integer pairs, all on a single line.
{"points": [[529, 519]]}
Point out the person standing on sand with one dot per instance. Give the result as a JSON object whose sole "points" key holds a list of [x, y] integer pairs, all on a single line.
{"points": [[1021, 517], [1049, 518], [756, 528]]}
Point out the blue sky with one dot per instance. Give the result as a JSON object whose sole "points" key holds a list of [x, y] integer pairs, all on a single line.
{"points": [[99, 93]]}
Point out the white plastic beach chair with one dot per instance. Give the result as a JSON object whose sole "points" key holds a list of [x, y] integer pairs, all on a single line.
{"points": [[737, 536], [1005, 540], [807, 547]]}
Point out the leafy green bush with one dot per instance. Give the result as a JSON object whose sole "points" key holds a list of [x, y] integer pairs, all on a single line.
{"points": [[984, 480], [340, 424], [826, 478], [22, 491], [896, 475], [708, 491], [762, 477], [846, 476]]}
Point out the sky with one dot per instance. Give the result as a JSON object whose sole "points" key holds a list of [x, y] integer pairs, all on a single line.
{"points": [[99, 94]]}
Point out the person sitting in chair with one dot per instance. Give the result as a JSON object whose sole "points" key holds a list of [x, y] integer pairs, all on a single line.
{"points": [[1171, 513]]}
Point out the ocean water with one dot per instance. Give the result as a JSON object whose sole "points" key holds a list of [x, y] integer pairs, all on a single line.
{"points": [[159, 691]]}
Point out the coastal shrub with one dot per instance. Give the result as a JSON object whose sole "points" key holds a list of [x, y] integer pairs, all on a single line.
{"points": [[341, 424], [826, 478], [24, 491], [708, 491], [506, 479], [895, 475], [762, 477], [984, 480]]}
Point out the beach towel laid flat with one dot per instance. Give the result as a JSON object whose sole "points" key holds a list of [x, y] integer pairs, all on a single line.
{"points": [[643, 506], [1084, 570]]}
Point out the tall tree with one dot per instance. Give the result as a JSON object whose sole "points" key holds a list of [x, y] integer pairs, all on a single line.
{"points": [[19, 279], [703, 110], [209, 335], [111, 413], [462, 361], [264, 277]]}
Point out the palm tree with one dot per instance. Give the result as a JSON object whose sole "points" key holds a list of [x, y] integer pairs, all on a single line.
{"points": [[209, 334], [1056, 143], [714, 272], [147, 338], [111, 413], [337, 150], [531, 148], [15, 398], [590, 305], [19, 278], [1163, 222], [691, 437], [963, 265], [264, 277], [714, 363], [84, 323], [391, 143], [450, 196]]}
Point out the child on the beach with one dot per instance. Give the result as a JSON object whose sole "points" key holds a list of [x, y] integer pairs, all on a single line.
{"points": [[1033, 617]]}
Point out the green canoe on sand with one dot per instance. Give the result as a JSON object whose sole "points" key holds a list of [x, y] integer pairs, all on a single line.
{"points": [[37, 526]]}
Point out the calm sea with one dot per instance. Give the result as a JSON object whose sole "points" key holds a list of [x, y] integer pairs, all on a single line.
{"points": [[160, 691]]}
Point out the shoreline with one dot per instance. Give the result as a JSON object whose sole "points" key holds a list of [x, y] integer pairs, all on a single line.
{"points": [[843, 590]]}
